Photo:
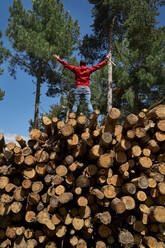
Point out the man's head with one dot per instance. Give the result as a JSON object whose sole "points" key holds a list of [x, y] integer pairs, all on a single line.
{"points": [[83, 62]]}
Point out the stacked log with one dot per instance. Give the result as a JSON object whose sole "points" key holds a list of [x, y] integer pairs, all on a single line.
{"points": [[79, 184]]}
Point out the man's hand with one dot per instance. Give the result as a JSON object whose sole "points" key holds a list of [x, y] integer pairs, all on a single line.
{"points": [[56, 56], [108, 56]]}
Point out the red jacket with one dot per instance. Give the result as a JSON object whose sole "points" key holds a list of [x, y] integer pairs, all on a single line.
{"points": [[82, 73]]}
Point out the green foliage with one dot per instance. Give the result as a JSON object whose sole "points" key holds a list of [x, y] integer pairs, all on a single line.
{"points": [[56, 110], [141, 75], [36, 34], [66, 80], [59, 110], [140, 24], [138, 50], [2, 93], [4, 54], [64, 89], [43, 30], [99, 89], [104, 13]]}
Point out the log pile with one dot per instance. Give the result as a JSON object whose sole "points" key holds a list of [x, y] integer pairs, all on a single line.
{"points": [[78, 184]]}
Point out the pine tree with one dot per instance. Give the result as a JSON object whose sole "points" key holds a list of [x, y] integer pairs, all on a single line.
{"points": [[36, 34], [136, 39]]}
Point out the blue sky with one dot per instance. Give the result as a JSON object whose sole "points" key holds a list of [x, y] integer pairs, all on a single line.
{"points": [[17, 108]]}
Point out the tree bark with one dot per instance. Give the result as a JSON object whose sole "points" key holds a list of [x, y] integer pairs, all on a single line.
{"points": [[109, 82], [37, 97]]}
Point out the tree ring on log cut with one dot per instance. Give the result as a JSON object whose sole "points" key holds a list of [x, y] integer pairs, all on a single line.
{"points": [[129, 202], [78, 223], [161, 125], [145, 162], [105, 160], [126, 238], [67, 130], [159, 214], [61, 231], [106, 139], [61, 170], [100, 244], [35, 134], [109, 191]]}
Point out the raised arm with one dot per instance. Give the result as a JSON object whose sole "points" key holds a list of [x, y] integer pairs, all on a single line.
{"points": [[103, 63], [98, 66], [70, 67]]}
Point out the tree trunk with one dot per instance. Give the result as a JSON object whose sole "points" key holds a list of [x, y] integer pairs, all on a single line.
{"points": [[109, 82], [37, 98]]}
